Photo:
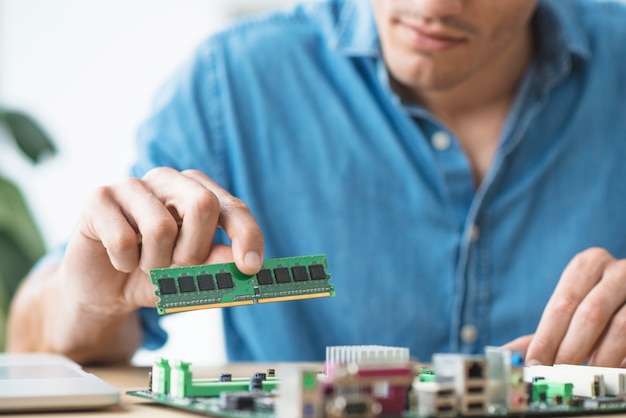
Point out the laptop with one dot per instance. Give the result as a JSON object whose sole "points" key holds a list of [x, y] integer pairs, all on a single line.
{"points": [[43, 382]]}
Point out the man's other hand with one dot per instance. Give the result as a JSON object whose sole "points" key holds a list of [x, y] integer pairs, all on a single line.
{"points": [[585, 319]]}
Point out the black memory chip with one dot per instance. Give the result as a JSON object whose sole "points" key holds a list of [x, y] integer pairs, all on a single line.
{"points": [[317, 272], [224, 281], [205, 282], [282, 275], [299, 274], [264, 277], [167, 286], [186, 284]]}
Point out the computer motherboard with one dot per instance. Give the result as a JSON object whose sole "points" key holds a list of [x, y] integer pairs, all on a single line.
{"points": [[375, 381]]}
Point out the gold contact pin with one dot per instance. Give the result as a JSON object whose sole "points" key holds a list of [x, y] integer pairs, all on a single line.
{"points": [[212, 305], [299, 297]]}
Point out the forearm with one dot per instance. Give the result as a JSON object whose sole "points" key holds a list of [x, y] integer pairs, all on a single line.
{"points": [[43, 318]]}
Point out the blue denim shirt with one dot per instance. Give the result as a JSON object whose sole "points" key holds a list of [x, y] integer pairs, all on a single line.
{"points": [[293, 113]]}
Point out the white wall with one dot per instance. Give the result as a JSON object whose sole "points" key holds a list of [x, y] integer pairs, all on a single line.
{"points": [[87, 70]]}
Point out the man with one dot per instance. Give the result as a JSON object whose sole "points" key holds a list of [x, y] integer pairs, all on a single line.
{"points": [[460, 162]]}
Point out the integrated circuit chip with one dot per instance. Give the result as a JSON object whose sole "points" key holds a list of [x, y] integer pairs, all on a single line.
{"points": [[317, 272], [224, 281], [299, 274], [264, 277], [186, 284], [282, 275], [167, 286], [221, 285], [205, 282]]}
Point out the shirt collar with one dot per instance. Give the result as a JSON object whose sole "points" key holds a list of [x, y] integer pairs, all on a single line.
{"points": [[561, 25], [560, 39]]}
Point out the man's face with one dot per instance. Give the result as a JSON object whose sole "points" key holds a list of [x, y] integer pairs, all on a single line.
{"points": [[437, 44]]}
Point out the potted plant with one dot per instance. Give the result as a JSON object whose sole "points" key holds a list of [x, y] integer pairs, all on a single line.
{"points": [[21, 244]]}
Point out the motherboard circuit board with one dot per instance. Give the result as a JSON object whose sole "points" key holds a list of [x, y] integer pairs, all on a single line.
{"points": [[377, 382]]}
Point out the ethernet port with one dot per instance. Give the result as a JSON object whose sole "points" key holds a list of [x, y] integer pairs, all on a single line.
{"points": [[476, 370]]}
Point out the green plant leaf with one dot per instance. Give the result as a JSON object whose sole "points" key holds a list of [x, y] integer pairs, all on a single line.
{"points": [[4, 312], [20, 246], [28, 135], [17, 222]]}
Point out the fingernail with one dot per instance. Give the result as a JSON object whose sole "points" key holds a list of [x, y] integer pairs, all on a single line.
{"points": [[533, 362], [623, 363], [252, 260]]}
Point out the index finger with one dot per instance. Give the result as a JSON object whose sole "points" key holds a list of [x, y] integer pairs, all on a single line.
{"points": [[238, 223]]}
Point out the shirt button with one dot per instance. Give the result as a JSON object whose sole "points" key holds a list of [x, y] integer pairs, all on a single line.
{"points": [[441, 140], [474, 233], [469, 334]]}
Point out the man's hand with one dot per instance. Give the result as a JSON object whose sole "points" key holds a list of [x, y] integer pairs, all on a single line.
{"points": [[86, 307], [167, 218], [585, 319]]}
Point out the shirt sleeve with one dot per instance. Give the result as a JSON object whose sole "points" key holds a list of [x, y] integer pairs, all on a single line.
{"points": [[153, 336], [182, 132], [185, 127]]}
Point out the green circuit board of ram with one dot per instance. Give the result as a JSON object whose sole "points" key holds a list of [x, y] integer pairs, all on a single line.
{"points": [[222, 285]]}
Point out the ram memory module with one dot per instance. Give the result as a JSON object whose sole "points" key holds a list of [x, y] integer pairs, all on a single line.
{"points": [[221, 285]]}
